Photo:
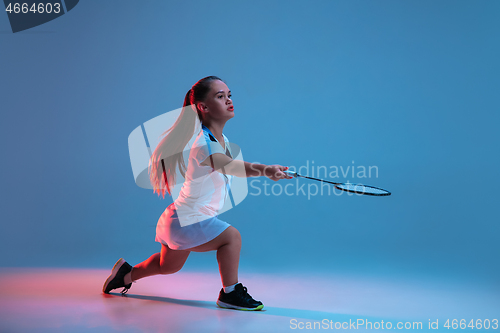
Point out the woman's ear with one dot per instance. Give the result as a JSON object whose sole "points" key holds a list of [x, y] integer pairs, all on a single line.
{"points": [[202, 107]]}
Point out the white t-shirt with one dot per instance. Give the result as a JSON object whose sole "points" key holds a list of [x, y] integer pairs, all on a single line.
{"points": [[204, 190]]}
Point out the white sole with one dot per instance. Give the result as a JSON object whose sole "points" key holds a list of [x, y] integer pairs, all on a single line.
{"points": [[115, 269]]}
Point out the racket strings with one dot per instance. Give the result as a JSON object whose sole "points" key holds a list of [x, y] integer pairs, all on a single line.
{"points": [[362, 189]]}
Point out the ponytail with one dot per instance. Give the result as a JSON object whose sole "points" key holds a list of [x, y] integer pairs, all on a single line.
{"points": [[168, 155]]}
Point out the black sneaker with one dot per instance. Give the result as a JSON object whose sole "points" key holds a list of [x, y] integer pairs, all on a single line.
{"points": [[238, 299], [115, 280]]}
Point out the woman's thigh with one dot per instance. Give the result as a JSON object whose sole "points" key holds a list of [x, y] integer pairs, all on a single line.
{"points": [[172, 260], [231, 234]]}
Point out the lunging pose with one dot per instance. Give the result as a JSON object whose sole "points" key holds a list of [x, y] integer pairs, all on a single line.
{"points": [[191, 223]]}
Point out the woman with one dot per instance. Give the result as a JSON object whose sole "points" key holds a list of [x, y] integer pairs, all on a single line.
{"points": [[191, 223]]}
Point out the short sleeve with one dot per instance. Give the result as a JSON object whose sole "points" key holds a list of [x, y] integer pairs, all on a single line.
{"points": [[205, 147]]}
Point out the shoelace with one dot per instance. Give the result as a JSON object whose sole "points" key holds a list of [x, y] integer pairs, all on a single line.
{"points": [[246, 295], [125, 289]]}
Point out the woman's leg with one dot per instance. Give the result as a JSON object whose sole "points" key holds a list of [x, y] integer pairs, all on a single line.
{"points": [[228, 246], [168, 261]]}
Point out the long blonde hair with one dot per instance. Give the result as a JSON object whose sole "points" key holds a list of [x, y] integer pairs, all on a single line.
{"points": [[168, 155]]}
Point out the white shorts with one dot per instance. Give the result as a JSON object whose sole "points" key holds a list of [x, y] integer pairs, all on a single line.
{"points": [[169, 231]]}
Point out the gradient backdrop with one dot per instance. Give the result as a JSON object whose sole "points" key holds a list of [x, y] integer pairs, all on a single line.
{"points": [[411, 87]]}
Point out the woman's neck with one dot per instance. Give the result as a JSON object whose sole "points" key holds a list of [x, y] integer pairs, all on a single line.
{"points": [[216, 129]]}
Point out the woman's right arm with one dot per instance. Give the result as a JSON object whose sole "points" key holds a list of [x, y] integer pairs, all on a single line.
{"points": [[226, 165]]}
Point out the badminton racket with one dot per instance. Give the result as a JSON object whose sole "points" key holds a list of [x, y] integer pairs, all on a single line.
{"points": [[348, 187]]}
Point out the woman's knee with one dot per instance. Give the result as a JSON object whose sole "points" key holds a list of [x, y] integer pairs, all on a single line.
{"points": [[234, 236]]}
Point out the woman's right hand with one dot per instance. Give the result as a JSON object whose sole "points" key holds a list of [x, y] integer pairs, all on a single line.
{"points": [[275, 172]]}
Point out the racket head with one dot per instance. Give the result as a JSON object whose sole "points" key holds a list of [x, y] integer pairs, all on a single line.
{"points": [[363, 189]]}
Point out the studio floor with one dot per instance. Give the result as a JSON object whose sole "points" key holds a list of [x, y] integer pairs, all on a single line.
{"points": [[70, 300]]}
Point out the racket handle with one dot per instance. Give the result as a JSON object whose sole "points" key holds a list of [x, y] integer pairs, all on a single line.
{"points": [[290, 173]]}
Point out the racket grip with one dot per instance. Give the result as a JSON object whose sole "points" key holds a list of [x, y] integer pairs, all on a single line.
{"points": [[290, 173]]}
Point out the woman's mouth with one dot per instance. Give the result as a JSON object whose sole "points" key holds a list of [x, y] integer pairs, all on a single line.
{"points": [[231, 108]]}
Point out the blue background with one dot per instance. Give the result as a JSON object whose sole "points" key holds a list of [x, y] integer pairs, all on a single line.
{"points": [[408, 86]]}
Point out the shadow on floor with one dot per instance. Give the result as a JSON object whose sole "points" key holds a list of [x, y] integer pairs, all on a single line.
{"points": [[282, 312]]}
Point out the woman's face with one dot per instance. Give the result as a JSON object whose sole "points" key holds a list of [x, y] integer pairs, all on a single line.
{"points": [[218, 104]]}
